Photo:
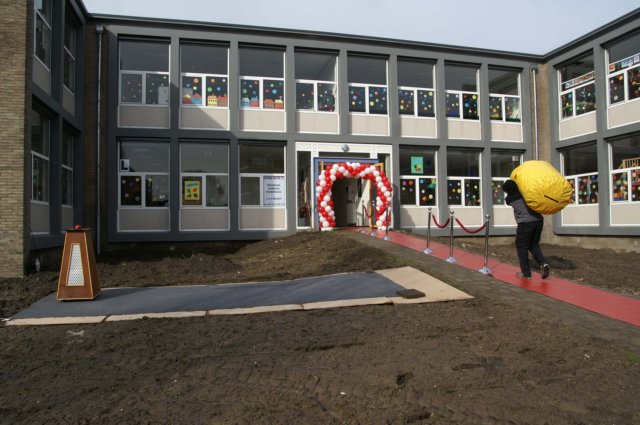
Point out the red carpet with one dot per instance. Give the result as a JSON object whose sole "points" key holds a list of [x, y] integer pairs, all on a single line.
{"points": [[599, 301]]}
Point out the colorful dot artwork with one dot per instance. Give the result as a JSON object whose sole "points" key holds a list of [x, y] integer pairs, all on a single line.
{"points": [[454, 192], [249, 93], [472, 192], [130, 190], [157, 89], [497, 194], [425, 103], [326, 97], [452, 101], [273, 94], [616, 89], [512, 109], [495, 105], [587, 189], [377, 100], [567, 105], [620, 187], [131, 88], [585, 99], [405, 102], [470, 103], [357, 99], [304, 96], [427, 192], [633, 75]]}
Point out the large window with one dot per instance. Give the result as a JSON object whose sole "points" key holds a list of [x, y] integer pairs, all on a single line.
{"points": [[580, 168], [504, 95], [577, 88], [42, 41], [461, 98], [367, 78], [416, 96], [502, 164], [143, 169], [40, 143], [418, 176], [204, 169], [316, 88], [204, 75], [144, 72], [66, 169], [625, 166], [463, 181], [262, 178], [624, 70], [261, 78], [70, 53]]}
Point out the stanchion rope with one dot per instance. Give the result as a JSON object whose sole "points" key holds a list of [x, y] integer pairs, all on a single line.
{"points": [[441, 226], [471, 231]]}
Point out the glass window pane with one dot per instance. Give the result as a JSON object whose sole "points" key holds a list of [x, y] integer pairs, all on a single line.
{"points": [[503, 163], [305, 182], [586, 99], [217, 191], [273, 95], [157, 190], [471, 192], [40, 179], [157, 89], [44, 8], [624, 48], [454, 192], [462, 163], [39, 134], [587, 190], [567, 105], [577, 68], [261, 159], [512, 106], [305, 96], [377, 100], [503, 82], [144, 56], [203, 59], [616, 89], [426, 192], [204, 158], [315, 66], [70, 36], [69, 71], [426, 103], [191, 90], [417, 161], [625, 153], [217, 91], [131, 88], [261, 62], [43, 42], [327, 97], [250, 191], [66, 154], [408, 191], [366, 70], [495, 104], [460, 77], [357, 99], [146, 157], [634, 83], [249, 93], [452, 101], [580, 160], [131, 190], [192, 190], [406, 102], [415, 74], [497, 194], [470, 106], [66, 189]]}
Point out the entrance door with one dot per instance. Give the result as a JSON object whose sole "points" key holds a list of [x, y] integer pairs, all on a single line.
{"points": [[345, 204]]}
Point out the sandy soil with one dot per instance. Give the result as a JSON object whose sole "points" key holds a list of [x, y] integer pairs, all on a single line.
{"points": [[506, 357]]}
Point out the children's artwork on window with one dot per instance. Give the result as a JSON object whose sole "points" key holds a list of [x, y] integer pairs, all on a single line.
{"points": [[619, 186], [635, 185], [356, 99], [407, 191], [616, 89], [191, 190], [587, 190], [191, 91], [157, 191], [470, 103], [273, 94], [217, 91], [497, 194], [425, 103], [326, 97], [377, 100], [131, 90], [634, 83], [130, 190], [454, 192], [567, 105], [472, 192], [157, 89], [585, 99], [304, 96], [453, 105], [417, 165], [512, 109], [427, 192], [572, 183], [495, 105], [250, 93], [405, 101]]}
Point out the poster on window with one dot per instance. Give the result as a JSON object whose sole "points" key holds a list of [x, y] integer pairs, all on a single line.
{"points": [[417, 165], [273, 191], [191, 190]]}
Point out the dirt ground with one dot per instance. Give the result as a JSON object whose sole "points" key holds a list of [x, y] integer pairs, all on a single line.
{"points": [[505, 357]]}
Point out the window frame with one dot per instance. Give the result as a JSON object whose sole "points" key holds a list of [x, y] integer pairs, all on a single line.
{"points": [[37, 15], [463, 183], [70, 139], [70, 24], [629, 184], [143, 178], [624, 71], [416, 181], [144, 74], [261, 177], [203, 181], [575, 84], [368, 88], [415, 90], [497, 181], [45, 157]]}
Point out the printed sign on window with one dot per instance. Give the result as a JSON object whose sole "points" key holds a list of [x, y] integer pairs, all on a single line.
{"points": [[192, 190], [273, 191], [417, 166]]}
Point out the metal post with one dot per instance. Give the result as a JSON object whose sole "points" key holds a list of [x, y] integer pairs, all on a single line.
{"points": [[373, 226], [451, 258], [486, 270], [364, 217], [386, 225], [428, 250]]}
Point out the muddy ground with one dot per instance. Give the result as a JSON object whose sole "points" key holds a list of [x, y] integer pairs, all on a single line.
{"points": [[506, 357]]}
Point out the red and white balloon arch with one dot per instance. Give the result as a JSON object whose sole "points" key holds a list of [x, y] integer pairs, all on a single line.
{"points": [[331, 173]]}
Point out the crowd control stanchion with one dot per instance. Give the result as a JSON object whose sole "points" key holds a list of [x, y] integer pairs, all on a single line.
{"points": [[485, 269], [364, 217], [428, 250], [451, 258], [386, 225]]}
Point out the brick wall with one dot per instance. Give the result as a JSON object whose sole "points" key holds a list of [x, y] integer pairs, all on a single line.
{"points": [[15, 134]]}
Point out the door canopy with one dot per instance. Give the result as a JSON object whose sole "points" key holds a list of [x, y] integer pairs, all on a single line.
{"points": [[355, 170]]}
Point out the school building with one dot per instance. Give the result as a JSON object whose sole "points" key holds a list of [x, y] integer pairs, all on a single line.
{"points": [[170, 131]]}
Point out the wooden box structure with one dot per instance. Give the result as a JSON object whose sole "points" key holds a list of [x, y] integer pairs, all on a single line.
{"points": [[78, 275]]}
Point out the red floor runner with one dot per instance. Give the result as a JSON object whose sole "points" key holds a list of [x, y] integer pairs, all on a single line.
{"points": [[599, 301]]}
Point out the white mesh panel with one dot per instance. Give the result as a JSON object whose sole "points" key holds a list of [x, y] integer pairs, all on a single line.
{"points": [[76, 275]]}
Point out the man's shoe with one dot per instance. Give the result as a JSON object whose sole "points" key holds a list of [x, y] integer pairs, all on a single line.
{"points": [[521, 276], [544, 271]]}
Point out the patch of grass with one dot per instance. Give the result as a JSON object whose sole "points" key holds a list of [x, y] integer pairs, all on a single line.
{"points": [[633, 358]]}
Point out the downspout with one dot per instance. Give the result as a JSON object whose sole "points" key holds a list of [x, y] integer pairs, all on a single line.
{"points": [[99, 30], [534, 68]]}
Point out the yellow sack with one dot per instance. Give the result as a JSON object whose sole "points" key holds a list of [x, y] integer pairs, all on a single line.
{"points": [[543, 188]]}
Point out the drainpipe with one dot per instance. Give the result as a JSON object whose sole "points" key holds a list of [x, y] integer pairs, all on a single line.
{"points": [[534, 68], [99, 30]]}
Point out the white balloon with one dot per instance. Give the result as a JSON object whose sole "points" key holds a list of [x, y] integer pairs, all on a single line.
{"points": [[341, 169], [318, 189], [387, 194], [376, 173], [333, 178], [323, 203], [332, 171], [323, 183], [378, 179], [325, 224], [327, 208], [327, 198], [335, 166]]}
